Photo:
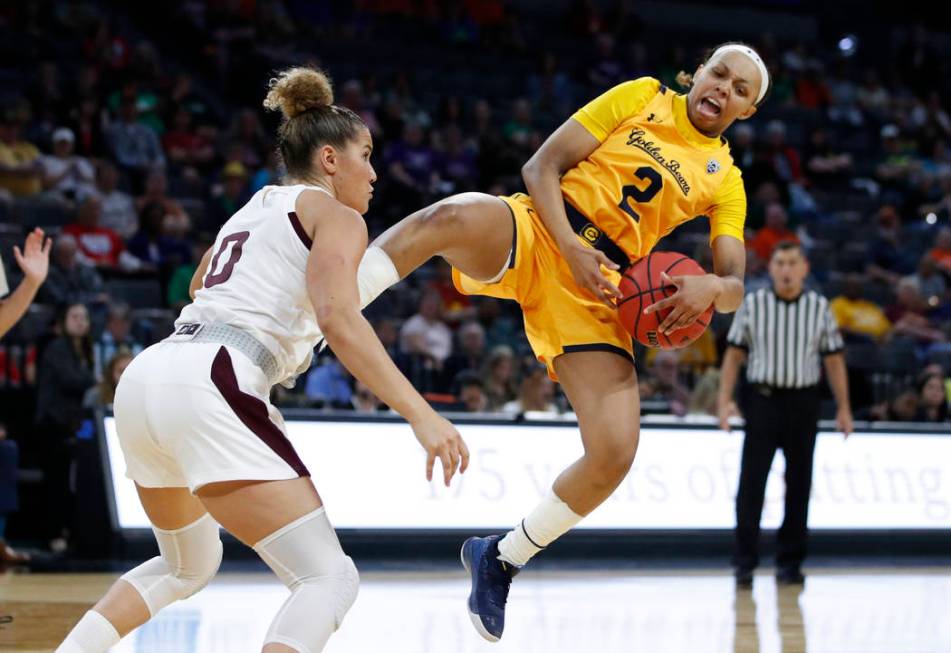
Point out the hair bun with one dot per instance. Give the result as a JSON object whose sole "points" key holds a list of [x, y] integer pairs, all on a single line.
{"points": [[297, 90]]}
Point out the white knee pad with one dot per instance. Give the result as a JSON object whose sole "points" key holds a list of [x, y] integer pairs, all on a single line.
{"points": [[307, 557], [188, 559]]}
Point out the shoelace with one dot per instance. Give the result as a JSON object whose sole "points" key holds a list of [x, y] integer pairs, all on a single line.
{"points": [[499, 592]]}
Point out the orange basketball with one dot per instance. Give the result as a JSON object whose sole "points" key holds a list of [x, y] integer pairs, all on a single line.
{"points": [[641, 286]]}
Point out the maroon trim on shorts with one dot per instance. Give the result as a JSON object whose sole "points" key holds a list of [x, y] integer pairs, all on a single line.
{"points": [[299, 230], [253, 412]]}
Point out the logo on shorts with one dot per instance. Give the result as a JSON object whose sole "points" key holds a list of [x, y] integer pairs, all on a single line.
{"points": [[188, 329], [713, 167], [590, 233]]}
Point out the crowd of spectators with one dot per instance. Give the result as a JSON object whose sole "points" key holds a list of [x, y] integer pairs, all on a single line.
{"points": [[133, 136]]}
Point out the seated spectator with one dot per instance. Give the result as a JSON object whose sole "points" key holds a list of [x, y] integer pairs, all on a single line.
{"points": [[775, 231], [456, 306], [9, 467], [932, 400], [472, 393], [606, 71], [115, 338], [66, 372], [412, 166], [536, 394], [118, 210], [888, 257], [498, 378], [246, 139], [67, 176], [352, 97], [666, 383], [229, 197], [908, 315], [783, 158], [136, 146], [931, 283], [872, 97], [157, 243], [426, 333], [703, 397], [270, 173], [828, 167], [470, 355], [363, 399], [903, 407], [941, 252], [98, 245], [156, 192], [184, 146], [895, 163], [329, 385], [20, 168], [858, 318], [68, 280], [178, 293], [103, 394], [457, 162]]}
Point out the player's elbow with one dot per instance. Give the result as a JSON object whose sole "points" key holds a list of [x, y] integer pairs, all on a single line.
{"points": [[335, 321]]}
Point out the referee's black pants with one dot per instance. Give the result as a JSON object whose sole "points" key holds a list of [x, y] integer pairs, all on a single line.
{"points": [[786, 419]]}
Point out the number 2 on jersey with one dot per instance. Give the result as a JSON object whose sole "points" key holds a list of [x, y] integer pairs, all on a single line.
{"points": [[234, 255], [632, 192]]}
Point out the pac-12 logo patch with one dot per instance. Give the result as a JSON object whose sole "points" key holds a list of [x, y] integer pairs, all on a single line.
{"points": [[713, 167]]}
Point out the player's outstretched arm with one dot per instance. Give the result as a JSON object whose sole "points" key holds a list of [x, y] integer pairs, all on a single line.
{"points": [[34, 263], [340, 239]]}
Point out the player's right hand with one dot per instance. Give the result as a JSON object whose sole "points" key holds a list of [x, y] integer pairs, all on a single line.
{"points": [[441, 440], [585, 263]]}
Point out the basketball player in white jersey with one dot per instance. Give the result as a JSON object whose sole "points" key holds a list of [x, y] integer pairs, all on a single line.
{"points": [[201, 440]]}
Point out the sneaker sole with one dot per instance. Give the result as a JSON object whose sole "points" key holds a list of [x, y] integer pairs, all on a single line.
{"points": [[476, 620]]}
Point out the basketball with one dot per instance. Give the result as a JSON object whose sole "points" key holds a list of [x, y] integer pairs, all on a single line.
{"points": [[641, 286]]}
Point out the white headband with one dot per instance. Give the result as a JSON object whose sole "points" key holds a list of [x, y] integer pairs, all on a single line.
{"points": [[755, 58]]}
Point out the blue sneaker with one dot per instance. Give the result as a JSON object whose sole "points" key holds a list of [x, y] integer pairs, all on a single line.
{"points": [[491, 579]]}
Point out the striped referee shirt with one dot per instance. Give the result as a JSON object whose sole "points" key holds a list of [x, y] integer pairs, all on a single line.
{"points": [[784, 339]]}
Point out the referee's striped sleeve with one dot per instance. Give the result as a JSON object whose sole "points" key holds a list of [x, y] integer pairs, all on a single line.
{"points": [[831, 339], [738, 335]]}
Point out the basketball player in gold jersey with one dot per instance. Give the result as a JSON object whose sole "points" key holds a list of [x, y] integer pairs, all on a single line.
{"points": [[616, 177]]}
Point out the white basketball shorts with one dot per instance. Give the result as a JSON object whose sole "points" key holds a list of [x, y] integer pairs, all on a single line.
{"points": [[189, 414]]}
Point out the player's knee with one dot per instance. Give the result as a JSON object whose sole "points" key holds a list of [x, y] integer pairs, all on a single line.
{"points": [[614, 455], [307, 557], [189, 558], [446, 215]]}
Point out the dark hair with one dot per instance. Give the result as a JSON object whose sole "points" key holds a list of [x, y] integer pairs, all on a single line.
{"points": [[467, 378], [785, 246], [83, 348], [305, 98], [685, 79]]}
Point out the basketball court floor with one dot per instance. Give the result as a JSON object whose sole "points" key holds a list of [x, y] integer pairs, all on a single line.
{"points": [[551, 611]]}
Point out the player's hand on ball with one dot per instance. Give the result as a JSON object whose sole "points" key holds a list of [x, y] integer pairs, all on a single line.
{"points": [[585, 263], [441, 440], [694, 296]]}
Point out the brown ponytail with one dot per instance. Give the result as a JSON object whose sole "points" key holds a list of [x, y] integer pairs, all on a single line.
{"points": [[304, 96]]}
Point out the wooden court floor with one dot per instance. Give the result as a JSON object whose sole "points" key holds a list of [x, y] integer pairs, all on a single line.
{"points": [[839, 611]]}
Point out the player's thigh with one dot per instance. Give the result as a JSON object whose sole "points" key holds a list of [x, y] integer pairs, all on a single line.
{"points": [[252, 510], [473, 231], [170, 508], [602, 389]]}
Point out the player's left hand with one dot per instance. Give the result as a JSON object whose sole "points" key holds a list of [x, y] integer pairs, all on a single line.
{"points": [[34, 260], [694, 295], [843, 421]]}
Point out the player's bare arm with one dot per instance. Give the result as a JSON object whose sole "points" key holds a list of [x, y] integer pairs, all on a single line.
{"points": [[564, 149], [340, 238]]}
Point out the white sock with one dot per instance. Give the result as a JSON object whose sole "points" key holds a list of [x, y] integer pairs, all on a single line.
{"points": [[93, 634], [551, 519], [376, 274]]}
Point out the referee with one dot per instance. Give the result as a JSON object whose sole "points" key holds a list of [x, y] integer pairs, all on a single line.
{"points": [[780, 333]]}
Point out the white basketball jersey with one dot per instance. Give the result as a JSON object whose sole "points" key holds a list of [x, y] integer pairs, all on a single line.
{"points": [[256, 278]]}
